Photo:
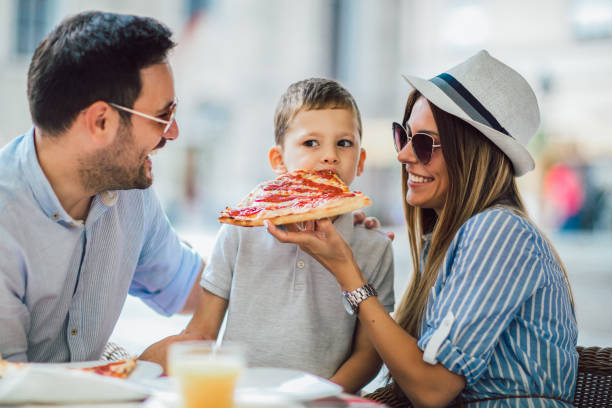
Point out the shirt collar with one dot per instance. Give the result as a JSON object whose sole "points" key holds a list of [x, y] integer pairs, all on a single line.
{"points": [[43, 192], [100, 204], [109, 198]]}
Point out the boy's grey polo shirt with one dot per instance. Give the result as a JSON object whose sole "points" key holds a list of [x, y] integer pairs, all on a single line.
{"points": [[283, 304]]}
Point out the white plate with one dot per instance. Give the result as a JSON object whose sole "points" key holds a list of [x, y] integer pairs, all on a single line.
{"points": [[259, 387], [55, 383], [261, 401], [293, 385], [145, 370]]}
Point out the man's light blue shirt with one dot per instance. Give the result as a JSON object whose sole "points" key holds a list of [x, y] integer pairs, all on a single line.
{"points": [[63, 282]]}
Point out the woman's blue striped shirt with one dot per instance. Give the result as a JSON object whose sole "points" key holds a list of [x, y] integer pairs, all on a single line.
{"points": [[514, 329]]}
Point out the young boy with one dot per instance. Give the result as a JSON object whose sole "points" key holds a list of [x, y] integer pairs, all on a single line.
{"points": [[282, 303]]}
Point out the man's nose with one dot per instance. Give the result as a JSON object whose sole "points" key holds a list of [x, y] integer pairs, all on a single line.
{"points": [[173, 132]]}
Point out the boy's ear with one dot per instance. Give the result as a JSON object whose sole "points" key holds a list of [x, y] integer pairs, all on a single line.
{"points": [[100, 123], [275, 156], [362, 157]]}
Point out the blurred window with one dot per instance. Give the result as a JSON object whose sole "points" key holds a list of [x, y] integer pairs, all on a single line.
{"points": [[465, 24], [336, 17], [197, 6], [344, 15], [32, 23], [592, 19]]}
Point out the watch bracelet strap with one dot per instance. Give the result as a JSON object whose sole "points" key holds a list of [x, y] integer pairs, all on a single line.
{"points": [[360, 294]]}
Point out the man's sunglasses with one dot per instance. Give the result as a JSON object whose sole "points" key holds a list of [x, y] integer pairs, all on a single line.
{"points": [[168, 123], [423, 145]]}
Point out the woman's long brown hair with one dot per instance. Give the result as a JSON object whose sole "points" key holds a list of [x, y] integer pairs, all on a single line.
{"points": [[480, 176]]}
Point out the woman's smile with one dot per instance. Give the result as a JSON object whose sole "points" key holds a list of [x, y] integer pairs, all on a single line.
{"points": [[416, 180]]}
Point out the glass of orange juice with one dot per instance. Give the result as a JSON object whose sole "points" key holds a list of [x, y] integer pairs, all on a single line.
{"points": [[206, 372]]}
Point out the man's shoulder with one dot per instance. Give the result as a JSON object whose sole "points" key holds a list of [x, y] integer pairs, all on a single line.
{"points": [[10, 163], [12, 145], [13, 186]]}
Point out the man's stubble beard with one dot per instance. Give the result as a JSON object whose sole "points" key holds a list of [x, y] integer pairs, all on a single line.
{"points": [[111, 168]]}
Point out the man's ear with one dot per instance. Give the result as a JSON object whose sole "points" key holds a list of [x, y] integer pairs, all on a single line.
{"points": [[275, 156], [100, 122], [362, 157]]}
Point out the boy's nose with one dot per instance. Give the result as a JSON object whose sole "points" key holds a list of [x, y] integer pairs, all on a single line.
{"points": [[330, 157], [330, 160]]}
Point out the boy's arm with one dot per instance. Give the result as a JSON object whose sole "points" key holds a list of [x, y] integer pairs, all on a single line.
{"points": [[208, 317], [204, 324], [362, 365], [195, 294]]}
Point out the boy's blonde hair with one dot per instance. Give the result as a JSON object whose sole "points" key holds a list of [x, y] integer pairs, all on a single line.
{"points": [[309, 94]]}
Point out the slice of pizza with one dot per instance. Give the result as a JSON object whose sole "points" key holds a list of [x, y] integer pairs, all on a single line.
{"points": [[117, 369], [295, 197]]}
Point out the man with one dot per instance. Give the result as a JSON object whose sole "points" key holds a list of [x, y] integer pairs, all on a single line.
{"points": [[79, 225]]}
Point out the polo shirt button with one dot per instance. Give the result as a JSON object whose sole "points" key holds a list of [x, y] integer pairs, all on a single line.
{"points": [[74, 332], [300, 264], [55, 216]]}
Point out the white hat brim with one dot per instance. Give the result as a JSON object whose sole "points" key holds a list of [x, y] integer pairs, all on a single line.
{"points": [[521, 159]]}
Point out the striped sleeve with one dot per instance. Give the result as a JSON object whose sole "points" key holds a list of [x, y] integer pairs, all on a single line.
{"points": [[167, 269], [491, 268], [14, 315]]}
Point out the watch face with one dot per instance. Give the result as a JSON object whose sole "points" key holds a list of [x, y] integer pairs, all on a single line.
{"points": [[347, 305]]}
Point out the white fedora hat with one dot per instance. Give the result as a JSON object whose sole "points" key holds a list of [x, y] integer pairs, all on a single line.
{"points": [[493, 98]]}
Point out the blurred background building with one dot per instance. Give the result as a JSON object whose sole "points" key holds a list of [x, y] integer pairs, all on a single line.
{"points": [[235, 58]]}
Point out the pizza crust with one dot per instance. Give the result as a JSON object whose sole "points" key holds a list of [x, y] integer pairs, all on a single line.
{"points": [[334, 207]]}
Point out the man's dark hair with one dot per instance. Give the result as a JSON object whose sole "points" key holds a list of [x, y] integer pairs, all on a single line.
{"points": [[89, 57]]}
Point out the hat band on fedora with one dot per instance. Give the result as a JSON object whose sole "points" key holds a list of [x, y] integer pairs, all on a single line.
{"points": [[466, 101]]}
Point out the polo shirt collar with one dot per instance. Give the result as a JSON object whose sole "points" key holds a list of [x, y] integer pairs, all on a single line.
{"points": [[45, 196]]}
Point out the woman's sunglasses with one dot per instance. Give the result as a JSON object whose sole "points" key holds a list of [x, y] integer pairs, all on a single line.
{"points": [[423, 145]]}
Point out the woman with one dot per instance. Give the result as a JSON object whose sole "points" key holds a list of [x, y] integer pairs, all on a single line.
{"points": [[488, 319]]}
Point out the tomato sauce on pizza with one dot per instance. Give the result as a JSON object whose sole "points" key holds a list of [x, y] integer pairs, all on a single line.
{"points": [[297, 196]]}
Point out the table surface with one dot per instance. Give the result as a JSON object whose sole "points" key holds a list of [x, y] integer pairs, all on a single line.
{"points": [[343, 400], [264, 387], [171, 400]]}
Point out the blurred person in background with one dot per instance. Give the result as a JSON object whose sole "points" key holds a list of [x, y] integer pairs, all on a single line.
{"points": [[564, 191], [80, 226], [488, 318]]}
